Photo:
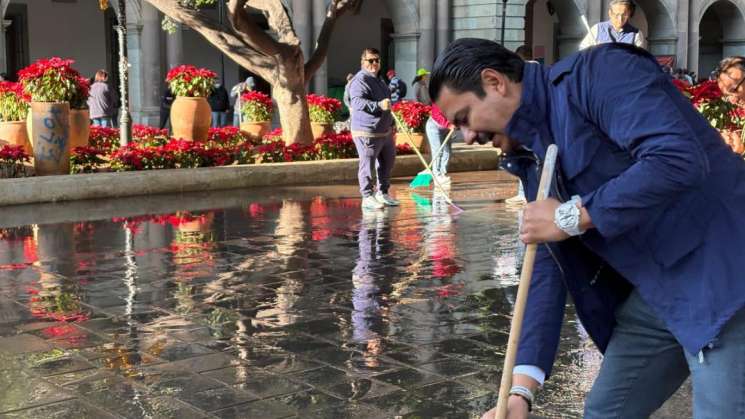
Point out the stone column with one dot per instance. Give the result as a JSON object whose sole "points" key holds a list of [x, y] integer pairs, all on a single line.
{"points": [[693, 44], [3, 25], [443, 25], [136, 86], [427, 15], [682, 16], [405, 46], [175, 47], [302, 13], [152, 78], [320, 80]]}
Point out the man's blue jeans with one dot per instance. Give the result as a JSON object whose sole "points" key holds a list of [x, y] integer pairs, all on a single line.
{"points": [[102, 122], [644, 365], [435, 136], [219, 119]]}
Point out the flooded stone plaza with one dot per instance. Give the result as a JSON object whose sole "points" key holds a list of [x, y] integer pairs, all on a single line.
{"points": [[289, 302]]}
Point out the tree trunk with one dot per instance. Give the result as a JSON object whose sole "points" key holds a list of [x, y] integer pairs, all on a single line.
{"points": [[289, 91]]}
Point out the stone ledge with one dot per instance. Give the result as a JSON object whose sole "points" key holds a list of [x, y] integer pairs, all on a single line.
{"points": [[113, 185]]}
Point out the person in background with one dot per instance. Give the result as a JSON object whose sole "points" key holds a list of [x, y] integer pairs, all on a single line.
{"points": [[617, 29], [235, 96], [437, 128], [371, 130], [165, 106], [220, 105], [421, 86], [396, 86], [101, 100]]}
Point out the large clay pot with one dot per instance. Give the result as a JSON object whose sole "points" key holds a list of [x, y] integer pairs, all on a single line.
{"points": [[15, 133], [319, 130], [80, 127], [191, 118], [417, 138], [50, 126], [28, 132], [256, 129]]}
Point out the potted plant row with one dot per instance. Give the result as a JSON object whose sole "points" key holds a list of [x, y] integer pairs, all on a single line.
{"points": [[14, 106], [257, 111], [323, 111]]}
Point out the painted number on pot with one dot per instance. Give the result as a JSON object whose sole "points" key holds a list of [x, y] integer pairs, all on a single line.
{"points": [[55, 139]]}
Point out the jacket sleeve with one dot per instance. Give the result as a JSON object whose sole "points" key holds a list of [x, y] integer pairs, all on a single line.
{"points": [[544, 314], [638, 109], [640, 41], [360, 95]]}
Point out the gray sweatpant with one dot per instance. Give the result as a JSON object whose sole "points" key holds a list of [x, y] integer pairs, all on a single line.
{"points": [[371, 150]]}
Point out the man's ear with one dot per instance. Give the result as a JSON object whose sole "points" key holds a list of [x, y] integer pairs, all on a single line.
{"points": [[493, 80]]}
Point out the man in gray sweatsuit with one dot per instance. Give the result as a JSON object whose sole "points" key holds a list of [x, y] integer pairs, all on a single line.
{"points": [[372, 131]]}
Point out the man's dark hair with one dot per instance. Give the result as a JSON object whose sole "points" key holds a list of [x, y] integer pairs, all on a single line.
{"points": [[370, 51], [729, 62], [459, 67], [628, 3]]}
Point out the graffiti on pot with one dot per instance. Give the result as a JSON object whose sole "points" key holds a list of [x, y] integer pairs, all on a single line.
{"points": [[54, 140]]}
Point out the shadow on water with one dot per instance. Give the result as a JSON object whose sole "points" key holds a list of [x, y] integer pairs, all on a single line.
{"points": [[273, 303]]}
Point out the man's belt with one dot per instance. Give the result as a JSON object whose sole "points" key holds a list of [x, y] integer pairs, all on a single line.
{"points": [[371, 134]]}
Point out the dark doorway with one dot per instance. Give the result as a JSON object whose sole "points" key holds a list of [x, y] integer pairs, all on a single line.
{"points": [[16, 39]]}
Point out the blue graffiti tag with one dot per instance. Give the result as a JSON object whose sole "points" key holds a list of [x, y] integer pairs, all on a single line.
{"points": [[55, 144]]}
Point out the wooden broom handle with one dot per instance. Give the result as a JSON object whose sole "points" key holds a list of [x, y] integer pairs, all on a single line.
{"points": [[549, 163]]}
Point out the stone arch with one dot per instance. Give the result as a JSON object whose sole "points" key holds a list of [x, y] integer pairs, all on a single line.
{"points": [[657, 22], [556, 27], [721, 26]]}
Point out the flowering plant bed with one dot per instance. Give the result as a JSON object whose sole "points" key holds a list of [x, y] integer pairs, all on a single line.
{"points": [[13, 102], [413, 115], [224, 146], [322, 109], [722, 115], [12, 160], [256, 106], [190, 81], [51, 80]]}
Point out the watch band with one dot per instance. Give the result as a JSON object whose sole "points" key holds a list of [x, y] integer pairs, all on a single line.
{"points": [[567, 216]]}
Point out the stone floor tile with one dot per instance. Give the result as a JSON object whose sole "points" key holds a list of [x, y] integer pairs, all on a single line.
{"points": [[67, 409], [19, 390], [217, 398]]}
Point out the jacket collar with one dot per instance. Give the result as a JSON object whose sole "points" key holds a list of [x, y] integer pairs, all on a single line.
{"points": [[530, 122]]}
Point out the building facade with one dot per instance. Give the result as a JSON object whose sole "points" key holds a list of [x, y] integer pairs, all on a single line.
{"points": [[693, 34]]}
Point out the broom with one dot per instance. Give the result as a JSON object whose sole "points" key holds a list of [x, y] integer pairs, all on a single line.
{"points": [[423, 179], [549, 163], [424, 162]]}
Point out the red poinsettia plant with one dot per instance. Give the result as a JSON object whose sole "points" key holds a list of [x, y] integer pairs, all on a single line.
{"points": [[51, 80], [413, 115], [190, 81], [322, 109], [13, 102], [80, 97], [104, 138], [256, 106]]}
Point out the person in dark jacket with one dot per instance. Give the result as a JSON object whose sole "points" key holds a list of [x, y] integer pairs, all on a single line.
{"points": [[643, 227], [371, 130], [220, 105], [165, 106], [101, 101]]}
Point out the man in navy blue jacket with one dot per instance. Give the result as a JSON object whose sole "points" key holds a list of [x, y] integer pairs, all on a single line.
{"points": [[643, 228]]}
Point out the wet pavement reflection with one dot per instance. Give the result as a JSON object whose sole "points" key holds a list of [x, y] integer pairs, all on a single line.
{"points": [[271, 305]]}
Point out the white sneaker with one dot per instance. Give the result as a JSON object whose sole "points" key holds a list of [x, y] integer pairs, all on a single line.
{"points": [[386, 199], [369, 202], [516, 200]]}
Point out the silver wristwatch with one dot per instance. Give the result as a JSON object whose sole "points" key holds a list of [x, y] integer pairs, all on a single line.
{"points": [[566, 216]]}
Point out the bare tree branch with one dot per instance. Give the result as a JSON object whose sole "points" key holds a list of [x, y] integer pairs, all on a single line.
{"points": [[279, 20], [254, 35], [228, 41], [336, 9]]}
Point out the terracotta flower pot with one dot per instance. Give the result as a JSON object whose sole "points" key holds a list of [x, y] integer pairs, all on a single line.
{"points": [[417, 138], [80, 127], [319, 130], [50, 127], [15, 133], [191, 118], [28, 132], [256, 129]]}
